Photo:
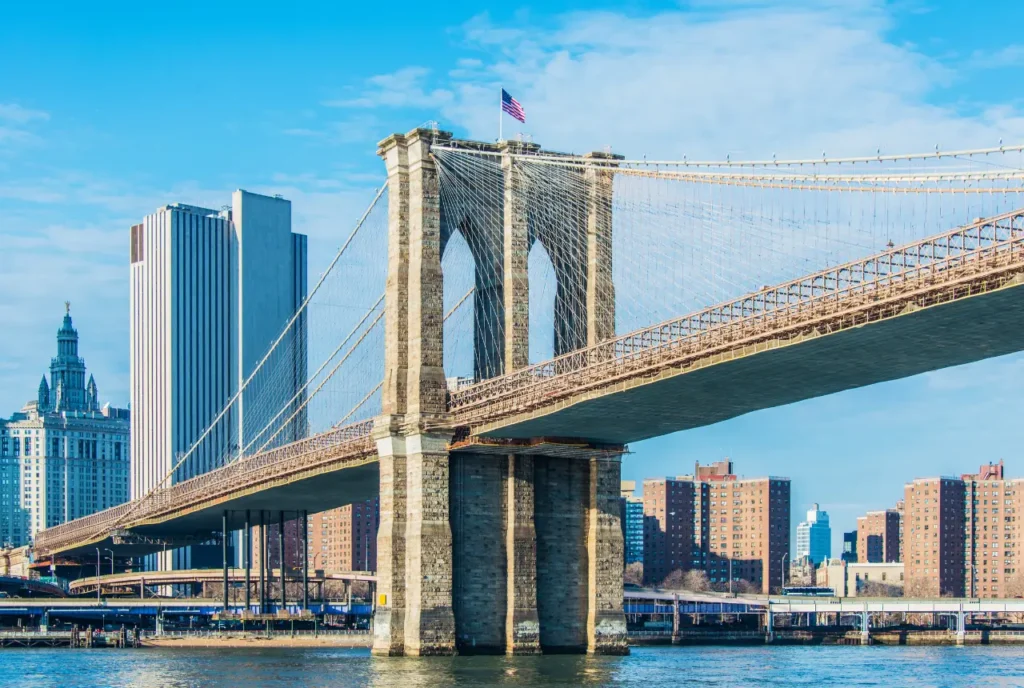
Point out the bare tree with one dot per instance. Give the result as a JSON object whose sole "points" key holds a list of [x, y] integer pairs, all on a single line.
{"points": [[634, 573], [696, 580], [361, 590], [918, 587], [880, 589], [674, 580], [1015, 585], [744, 587]]}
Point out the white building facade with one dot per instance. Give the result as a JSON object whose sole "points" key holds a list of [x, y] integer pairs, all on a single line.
{"points": [[210, 292], [62, 456], [814, 537]]}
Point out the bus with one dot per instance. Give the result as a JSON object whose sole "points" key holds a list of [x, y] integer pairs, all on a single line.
{"points": [[808, 591]]}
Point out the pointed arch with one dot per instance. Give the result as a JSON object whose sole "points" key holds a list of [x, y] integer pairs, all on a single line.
{"points": [[458, 268], [543, 289]]}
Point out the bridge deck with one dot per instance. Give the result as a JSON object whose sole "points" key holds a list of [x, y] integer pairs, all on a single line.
{"points": [[782, 371]]}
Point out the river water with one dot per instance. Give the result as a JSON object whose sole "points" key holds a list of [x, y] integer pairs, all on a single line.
{"points": [[647, 667]]}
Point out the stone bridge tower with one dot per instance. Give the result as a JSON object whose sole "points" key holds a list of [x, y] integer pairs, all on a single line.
{"points": [[487, 545]]}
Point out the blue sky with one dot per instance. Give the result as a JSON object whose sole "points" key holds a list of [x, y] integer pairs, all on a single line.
{"points": [[108, 110]]}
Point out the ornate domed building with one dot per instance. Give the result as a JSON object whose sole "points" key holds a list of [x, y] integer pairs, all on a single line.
{"points": [[63, 456]]}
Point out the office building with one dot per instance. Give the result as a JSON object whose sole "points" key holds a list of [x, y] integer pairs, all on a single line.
{"points": [[850, 547], [210, 292], [63, 456], [878, 537], [714, 521], [632, 518], [814, 536], [345, 539]]}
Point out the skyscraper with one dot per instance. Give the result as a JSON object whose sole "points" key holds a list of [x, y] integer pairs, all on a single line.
{"points": [[632, 517], [814, 536], [210, 292], [62, 456]]}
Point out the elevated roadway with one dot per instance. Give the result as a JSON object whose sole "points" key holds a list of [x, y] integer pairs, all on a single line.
{"points": [[134, 580]]}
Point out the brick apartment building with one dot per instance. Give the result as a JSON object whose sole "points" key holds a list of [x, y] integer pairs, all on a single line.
{"points": [[668, 526], [713, 520], [345, 538], [962, 535], [878, 537], [292, 543]]}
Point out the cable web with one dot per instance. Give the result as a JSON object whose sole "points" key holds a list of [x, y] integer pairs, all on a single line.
{"points": [[656, 241]]}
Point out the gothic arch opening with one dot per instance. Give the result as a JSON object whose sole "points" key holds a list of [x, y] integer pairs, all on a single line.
{"points": [[458, 268], [543, 287]]}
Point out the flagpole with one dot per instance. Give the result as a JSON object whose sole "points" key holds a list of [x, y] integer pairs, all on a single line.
{"points": [[501, 104]]}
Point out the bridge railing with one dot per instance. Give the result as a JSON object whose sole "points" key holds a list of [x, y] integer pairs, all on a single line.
{"points": [[891, 274], [303, 454]]}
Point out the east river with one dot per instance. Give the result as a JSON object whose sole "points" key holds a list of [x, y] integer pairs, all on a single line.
{"points": [[648, 667]]}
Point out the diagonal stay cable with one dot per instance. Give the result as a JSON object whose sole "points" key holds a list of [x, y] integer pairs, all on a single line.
{"points": [[315, 375]]}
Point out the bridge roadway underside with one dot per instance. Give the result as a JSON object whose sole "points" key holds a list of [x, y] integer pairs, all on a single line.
{"points": [[314, 493], [783, 372]]}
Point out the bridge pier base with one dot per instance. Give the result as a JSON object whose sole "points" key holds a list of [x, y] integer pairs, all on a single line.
{"points": [[497, 553], [522, 625], [429, 621], [389, 615]]}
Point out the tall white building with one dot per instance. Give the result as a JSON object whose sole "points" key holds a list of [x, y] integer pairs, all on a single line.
{"points": [[62, 456], [814, 536], [210, 292]]}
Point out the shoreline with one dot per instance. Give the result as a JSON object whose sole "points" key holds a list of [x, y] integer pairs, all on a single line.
{"points": [[254, 641], [365, 641]]}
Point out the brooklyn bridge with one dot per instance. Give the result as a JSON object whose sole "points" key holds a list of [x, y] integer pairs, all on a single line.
{"points": [[503, 321]]}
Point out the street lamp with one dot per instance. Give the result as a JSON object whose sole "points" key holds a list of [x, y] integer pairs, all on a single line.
{"points": [[784, 557], [111, 559], [98, 574], [730, 575]]}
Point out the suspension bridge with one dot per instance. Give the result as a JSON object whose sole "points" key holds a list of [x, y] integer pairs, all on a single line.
{"points": [[503, 320]]}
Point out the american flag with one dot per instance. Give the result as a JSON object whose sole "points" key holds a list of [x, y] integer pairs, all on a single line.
{"points": [[512, 106]]}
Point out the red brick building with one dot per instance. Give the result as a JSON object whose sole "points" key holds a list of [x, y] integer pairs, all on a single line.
{"points": [[934, 537], [668, 527], [962, 536], [878, 537], [345, 539], [718, 523]]}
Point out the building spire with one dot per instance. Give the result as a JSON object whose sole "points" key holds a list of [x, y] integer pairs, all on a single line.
{"points": [[92, 395], [43, 398]]}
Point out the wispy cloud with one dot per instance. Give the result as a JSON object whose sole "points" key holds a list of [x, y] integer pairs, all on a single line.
{"points": [[405, 88], [12, 112], [1007, 56], [752, 79]]}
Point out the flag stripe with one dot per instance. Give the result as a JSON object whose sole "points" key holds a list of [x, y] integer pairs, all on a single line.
{"points": [[511, 106]]}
